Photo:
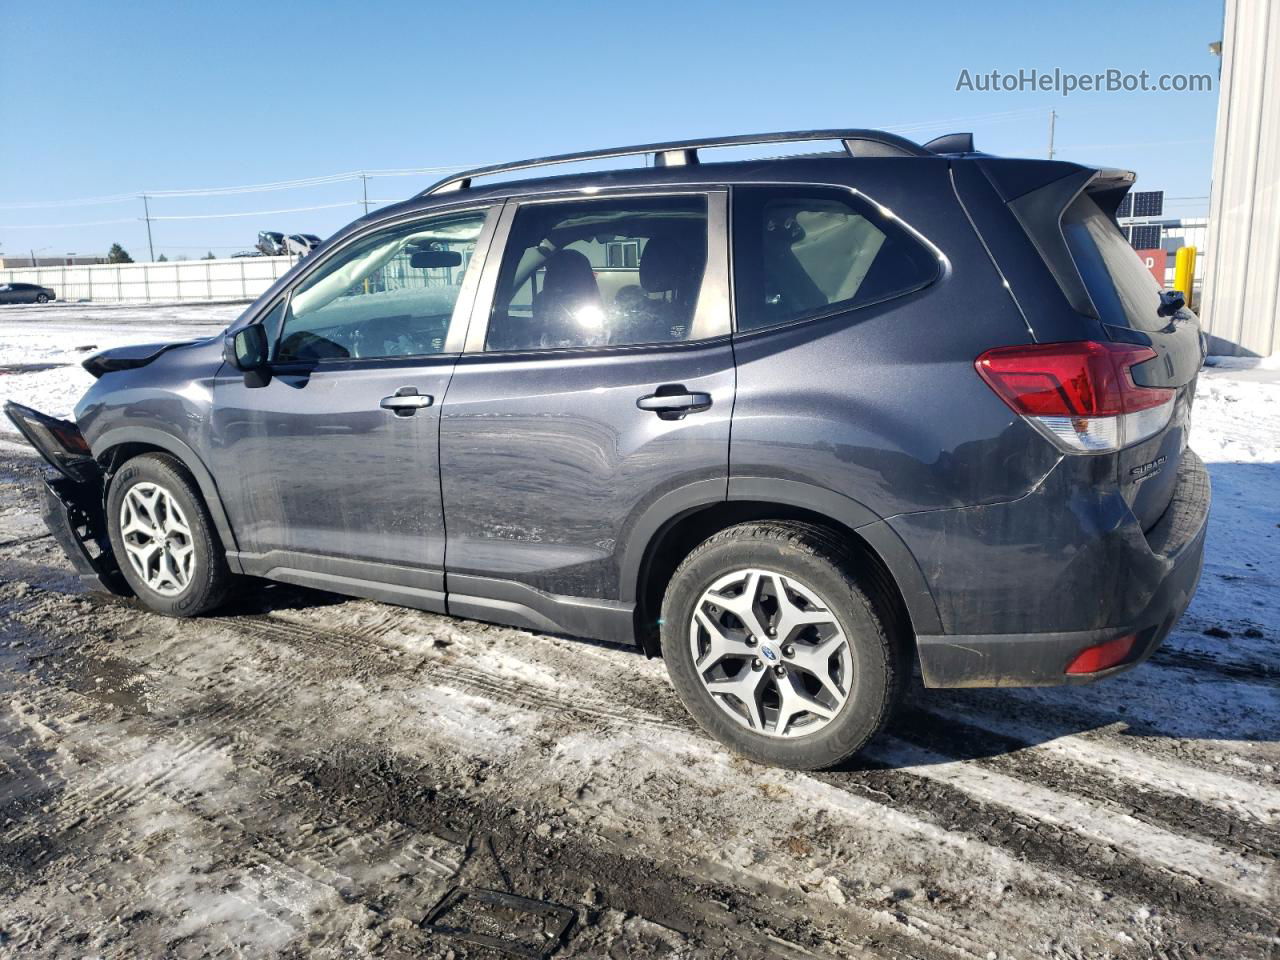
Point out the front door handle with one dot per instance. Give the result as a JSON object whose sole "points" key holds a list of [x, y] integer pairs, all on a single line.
{"points": [[406, 401], [673, 402]]}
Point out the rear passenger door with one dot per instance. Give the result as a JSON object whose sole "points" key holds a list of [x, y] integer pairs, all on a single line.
{"points": [[595, 392]]}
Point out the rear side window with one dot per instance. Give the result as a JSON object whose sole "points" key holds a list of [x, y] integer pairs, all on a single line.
{"points": [[1119, 283], [602, 272], [803, 252]]}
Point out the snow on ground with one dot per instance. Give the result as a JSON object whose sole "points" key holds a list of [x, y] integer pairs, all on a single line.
{"points": [[308, 775], [42, 346]]}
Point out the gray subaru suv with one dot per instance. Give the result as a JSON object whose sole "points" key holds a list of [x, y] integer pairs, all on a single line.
{"points": [[796, 425]]}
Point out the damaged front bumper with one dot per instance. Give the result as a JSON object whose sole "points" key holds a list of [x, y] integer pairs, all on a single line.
{"points": [[72, 505]]}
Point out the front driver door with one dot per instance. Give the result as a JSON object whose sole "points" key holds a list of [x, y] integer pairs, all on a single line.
{"points": [[329, 471]]}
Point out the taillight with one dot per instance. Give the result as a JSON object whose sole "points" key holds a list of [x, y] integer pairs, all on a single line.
{"points": [[1080, 395]]}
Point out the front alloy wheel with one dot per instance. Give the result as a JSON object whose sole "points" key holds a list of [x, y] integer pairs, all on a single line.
{"points": [[163, 538], [157, 538]]}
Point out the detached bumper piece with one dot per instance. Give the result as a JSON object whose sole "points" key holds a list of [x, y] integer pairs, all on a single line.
{"points": [[73, 514], [72, 505]]}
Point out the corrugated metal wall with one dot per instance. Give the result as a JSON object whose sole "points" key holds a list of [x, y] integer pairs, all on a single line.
{"points": [[1242, 288]]}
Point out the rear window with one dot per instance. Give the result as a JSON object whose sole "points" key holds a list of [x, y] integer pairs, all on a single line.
{"points": [[803, 252], [1119, 283]]}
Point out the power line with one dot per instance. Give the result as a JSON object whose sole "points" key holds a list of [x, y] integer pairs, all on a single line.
{"points": [[327, 179], [191, 216], [295, 184], [256, 213], [55, 226]]}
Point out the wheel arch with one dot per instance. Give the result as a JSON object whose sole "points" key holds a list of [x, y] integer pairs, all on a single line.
{"points": [[893, 568], [116, 446]]}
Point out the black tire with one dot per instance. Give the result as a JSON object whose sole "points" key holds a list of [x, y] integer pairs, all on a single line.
{"points": [[210, 577], [42, 298], [820, 560]]}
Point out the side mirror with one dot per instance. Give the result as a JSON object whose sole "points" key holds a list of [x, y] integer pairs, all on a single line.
{"points": [[248, 350], [425, 259]]}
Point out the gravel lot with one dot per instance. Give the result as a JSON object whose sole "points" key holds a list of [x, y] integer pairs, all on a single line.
{"points": [[312, 776]]}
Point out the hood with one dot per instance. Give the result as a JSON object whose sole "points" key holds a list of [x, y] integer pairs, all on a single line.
{"points": [[129, 357]]}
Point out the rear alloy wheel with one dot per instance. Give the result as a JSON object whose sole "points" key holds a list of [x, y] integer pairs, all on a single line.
{"points": [[770, 652], [163, 538], [42, 298], [777, 643]]}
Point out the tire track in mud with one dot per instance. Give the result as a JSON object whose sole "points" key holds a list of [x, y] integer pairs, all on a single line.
{"points": [[297, 873], [309, 865], [110, 806], [960, 739], [443, 669], [949, 805], [1091, 721], [1181, 817], [1234, 668]]}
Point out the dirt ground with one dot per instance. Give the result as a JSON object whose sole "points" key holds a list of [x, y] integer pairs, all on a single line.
{"points": [[309, 776]]}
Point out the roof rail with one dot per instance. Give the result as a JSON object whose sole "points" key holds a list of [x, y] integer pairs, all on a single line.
{"points": [[859, 143]]}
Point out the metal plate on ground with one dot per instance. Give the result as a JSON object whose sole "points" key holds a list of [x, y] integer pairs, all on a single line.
{"points": [[516, 925]]}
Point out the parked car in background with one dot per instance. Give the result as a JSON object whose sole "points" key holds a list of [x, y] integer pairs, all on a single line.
{"points": [[301, 244], [793, 425], [25, 293], [271, 244]]}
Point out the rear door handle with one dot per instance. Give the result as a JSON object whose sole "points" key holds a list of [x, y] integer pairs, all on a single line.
{"points": [[674, 404], [406, 401]]}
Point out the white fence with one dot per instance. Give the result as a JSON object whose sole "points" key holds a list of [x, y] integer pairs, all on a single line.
{"points": [[240, 278]]}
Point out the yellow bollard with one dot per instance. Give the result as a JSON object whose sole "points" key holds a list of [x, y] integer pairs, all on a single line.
{"points": [[1184, 271]]}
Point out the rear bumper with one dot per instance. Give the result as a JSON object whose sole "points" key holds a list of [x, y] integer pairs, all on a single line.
{"points": [[1164, 564]]}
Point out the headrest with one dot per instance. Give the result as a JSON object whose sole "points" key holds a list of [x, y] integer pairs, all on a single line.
{"points": [[671, 262], [569, 272]]}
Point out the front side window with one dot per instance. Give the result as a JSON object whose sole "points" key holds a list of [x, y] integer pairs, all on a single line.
{"points": [[390, 294], [806, 251], [598, 273]]}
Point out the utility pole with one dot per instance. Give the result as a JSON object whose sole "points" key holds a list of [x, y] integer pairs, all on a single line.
{"points": [[1052, 117], [146, 211], [364, 187]]}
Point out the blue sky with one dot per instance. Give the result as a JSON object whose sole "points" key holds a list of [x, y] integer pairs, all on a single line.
{"points": [[106, 99]]}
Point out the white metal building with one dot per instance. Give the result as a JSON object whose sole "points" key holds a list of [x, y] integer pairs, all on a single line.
{"points": [[1242, 283]]}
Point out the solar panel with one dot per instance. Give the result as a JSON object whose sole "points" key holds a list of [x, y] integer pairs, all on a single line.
{"points": [[1145, 237], [1148, 204], [1126, 206]]}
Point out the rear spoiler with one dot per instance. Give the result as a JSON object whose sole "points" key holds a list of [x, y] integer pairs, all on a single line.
{"points": [[1038, 192]]}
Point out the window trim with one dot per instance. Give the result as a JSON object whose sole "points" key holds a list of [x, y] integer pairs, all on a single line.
{"points": [[714, 300], [942, 272]]}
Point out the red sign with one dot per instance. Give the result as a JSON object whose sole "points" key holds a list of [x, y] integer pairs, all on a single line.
{"points": [[1155, 261]]}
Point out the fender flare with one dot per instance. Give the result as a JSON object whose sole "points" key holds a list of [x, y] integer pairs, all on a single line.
{"points": [[870, 526], [167, 442], [877, 534], [665, 510]]}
